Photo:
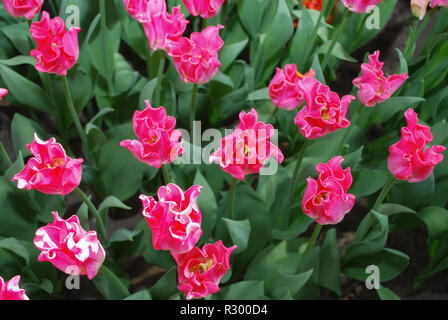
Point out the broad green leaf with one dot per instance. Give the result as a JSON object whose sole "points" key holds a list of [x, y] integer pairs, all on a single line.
{"points": [[239, 232], [435, 218], [207, 204], [140, 295], [13, 245], [290, 283], [243, 290], [330, 263], [17, 85], [124, 235], [385, 110], [387, 294], [110, 286], [166, 287], [368, 181]]}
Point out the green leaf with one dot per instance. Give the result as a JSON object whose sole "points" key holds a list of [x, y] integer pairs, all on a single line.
{"points": [[370, 238], [166, 287], [338, 51], [239, 232], [110, 286], [141, 295], [436, 220], [330, 263], [123, 234], [390, 209], [299, 226], [403, 66], [18, 60], [207, 204], [387, 294], [384, 111], [261, 94], [17, 84], [112, 202], [251, 14], [390, 262], [279, 33], [22, 133], [290, 283], [299, 41], [16, 247], [368, 181], [243, 290]]}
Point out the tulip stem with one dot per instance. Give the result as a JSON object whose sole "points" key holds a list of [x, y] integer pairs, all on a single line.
{"points": [[310, 244], [120, 286], [159, 78], [94, 211], [165, 173], [192, 108], [5, 155], [384, 192], [293, 184], [74, 114], [232, 197], [273, 114], [347, 131], [335, 39]]}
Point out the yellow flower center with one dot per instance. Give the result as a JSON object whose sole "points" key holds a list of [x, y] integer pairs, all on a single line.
{"points": [[325, 114], [202, 266], [56, 162], [246, 150]]}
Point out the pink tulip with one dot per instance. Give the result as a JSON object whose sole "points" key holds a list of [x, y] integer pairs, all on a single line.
{"points": [[408, 158], [69, 247], [23, 8], [158, 142], [175, 220], [327, 199], [3, 93], [360, 6], [324, 111], [138, 9], [248, 148], [50, 171], [162, 27], [373, 86], [440, 3], [196, 58], [205, 8], [57, 49], [284, 90], [200, 271], [418, 8], [11, 291]]}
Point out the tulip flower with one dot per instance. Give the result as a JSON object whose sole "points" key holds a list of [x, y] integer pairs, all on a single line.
{"points": [[196, 58], [327, 199], [175, 220], [204, 8], [158, 141], [10, 290], [360, 6], [324, 111], [408, 159], [248, 148], [200, 271], [3, 93], [57, 49], [50, 170], [138, 9], [418, 8], [69, 247], [284, 90], [23, 8], [440, 3], [162, 27], [373, 86]]}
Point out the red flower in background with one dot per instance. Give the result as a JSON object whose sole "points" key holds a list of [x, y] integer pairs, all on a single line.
{"points": [[50, 170], [23, 8], [408, 158], [57, 49], [327, 199], [200, 271]]}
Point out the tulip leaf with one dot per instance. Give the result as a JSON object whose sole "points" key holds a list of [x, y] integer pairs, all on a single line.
{"points": [[166, 287], [330, 263], [387, 294], [290, 283], [123, 234], [140, 295], [16, 247], [239, 232], [243, 290]]}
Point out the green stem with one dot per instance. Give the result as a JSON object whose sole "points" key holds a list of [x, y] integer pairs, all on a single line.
{"points": [[347, 131], [192, 108], [389, 184], [106, 271], [273, 114], [106, 57], [335, 38], [73, 113], [165, 173], [293, 184], [310, 244], [232, 197], [94, 211], [159, 78], [5, 155]]}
